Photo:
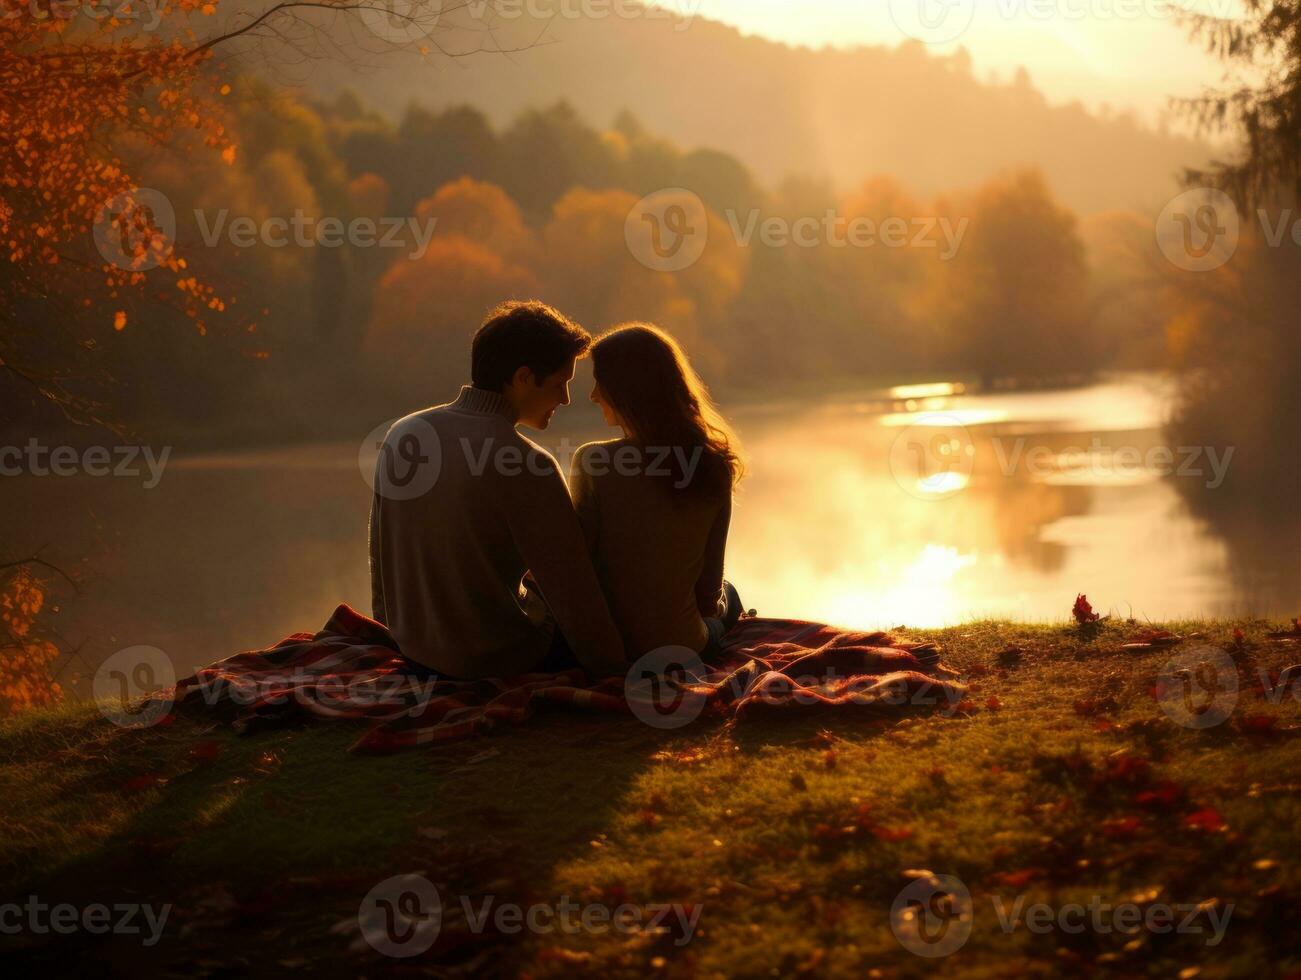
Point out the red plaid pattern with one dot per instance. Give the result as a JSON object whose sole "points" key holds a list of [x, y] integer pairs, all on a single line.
{"points": [[351, 669]]}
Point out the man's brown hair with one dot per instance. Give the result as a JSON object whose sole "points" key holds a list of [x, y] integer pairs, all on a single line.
{"points": [[523, 333]]}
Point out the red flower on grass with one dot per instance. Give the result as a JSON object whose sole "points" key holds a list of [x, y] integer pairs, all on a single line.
{"points": [[1082, 611]]}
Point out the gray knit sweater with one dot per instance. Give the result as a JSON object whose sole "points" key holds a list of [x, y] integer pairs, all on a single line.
{"points": [[464, 506]]}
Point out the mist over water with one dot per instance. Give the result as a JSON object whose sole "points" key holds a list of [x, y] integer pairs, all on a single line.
{"points": [[838, 520]]}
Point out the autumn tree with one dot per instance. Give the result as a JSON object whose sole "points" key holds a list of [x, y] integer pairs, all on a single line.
{"points": [[483, 213], [589, 270], [75, 229], [425, 312], [1258, 100], [1016, 292], [1233, 329], [78, 85], [27, 653]]}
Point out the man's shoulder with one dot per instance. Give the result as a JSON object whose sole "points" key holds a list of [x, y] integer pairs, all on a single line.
{"points": [[543, 458]]}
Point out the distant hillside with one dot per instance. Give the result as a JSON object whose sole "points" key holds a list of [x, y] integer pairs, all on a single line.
{"points": [[780, 109]]}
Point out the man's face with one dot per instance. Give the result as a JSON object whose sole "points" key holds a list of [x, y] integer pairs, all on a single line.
{"points": [[537, 401]]}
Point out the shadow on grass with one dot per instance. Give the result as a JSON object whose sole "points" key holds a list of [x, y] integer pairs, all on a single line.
{"points": [[265, 846]]}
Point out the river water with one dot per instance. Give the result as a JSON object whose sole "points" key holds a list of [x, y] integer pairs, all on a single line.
{"points": [[920, 506]]}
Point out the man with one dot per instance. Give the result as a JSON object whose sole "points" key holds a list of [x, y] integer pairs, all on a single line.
{"points": [[464, 505]]}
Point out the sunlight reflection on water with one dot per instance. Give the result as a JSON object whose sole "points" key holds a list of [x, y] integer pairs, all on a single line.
{"points": [[857, 510]]}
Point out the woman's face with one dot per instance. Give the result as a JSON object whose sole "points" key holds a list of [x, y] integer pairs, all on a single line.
{"points": [[607, 412]]}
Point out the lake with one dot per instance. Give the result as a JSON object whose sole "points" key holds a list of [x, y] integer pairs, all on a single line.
{"points": [[922, 505]]}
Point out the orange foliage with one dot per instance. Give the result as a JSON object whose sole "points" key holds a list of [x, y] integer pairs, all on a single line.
{"points": [[25, 656], [429, 306], [481, 212], [368, 194], [75, 84]]}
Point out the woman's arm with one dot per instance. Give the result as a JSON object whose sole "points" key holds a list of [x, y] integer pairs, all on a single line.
{"points": [[709, 587], [583, 492]]}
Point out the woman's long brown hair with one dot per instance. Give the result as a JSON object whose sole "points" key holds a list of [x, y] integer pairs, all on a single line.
{"points": [[647, 379]]}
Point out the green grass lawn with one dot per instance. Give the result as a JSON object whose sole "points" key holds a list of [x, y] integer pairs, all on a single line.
{"points": [[1061, 780]]}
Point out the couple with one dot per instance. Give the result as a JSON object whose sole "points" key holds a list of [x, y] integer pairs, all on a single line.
{"points": [[488, 565]]}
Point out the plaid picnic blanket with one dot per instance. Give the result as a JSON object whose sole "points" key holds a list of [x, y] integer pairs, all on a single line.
{"points": [[351, 669]]}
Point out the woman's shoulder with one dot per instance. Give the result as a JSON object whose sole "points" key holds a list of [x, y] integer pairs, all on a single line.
{"points": [[599, 448], [593, 458]]}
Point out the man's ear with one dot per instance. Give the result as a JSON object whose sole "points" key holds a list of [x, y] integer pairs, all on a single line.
{"points": [[523, 375]]}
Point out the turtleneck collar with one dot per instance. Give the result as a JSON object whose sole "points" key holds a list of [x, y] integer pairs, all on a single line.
{"points": [[484, 402]]}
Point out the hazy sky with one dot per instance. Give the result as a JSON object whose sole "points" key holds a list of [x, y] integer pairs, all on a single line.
{"points": [[1129, 53]]}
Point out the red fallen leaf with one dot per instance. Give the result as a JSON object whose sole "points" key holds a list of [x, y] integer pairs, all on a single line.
{"points": [[826, 832], [206, 752], [145, 781], [1207, 818], [966, 704], [1239, 637], [1258, 725], [892, 833], [1124, 769], [994, 704], [1082, 611], [1015, 879], [995, 768], [829, 758], [1166, 794], [1121, 826], [1102, 725]]}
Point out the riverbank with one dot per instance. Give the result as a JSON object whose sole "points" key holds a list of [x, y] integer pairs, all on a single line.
{"points": [[1061, 783]]}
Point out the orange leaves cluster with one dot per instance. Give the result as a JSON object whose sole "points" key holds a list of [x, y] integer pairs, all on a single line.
{"points": [[25, 657], [75, 87]]}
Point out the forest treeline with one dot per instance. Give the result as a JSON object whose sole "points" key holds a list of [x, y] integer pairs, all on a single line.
{"points": [[317, 340]]}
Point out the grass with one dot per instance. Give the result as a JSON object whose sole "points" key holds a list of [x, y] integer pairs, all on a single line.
{"points": [[1060, 781]]}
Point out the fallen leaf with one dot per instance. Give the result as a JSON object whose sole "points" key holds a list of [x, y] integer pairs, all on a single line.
{"points": [[1207, 818]]}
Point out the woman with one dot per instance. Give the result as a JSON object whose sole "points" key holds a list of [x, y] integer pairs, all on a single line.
{"points": [[655, 504]]}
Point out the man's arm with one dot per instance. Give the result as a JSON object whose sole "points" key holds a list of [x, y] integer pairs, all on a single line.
{"points": [[709, 587], [378, 611], [546, 531]]}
